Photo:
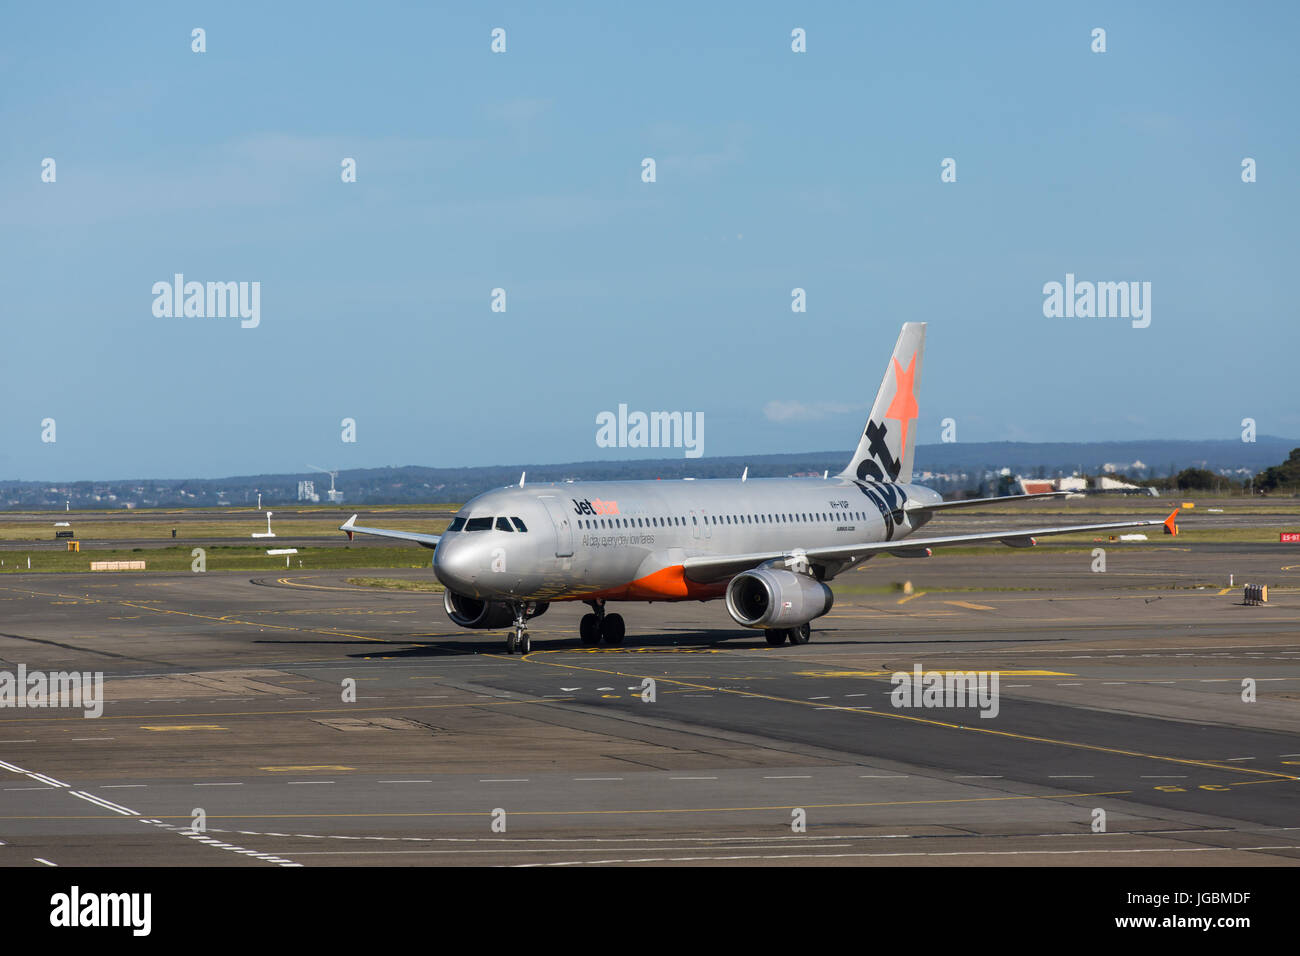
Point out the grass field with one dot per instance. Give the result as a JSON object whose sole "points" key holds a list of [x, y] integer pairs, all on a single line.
{"points": [[222, 559], [151, 526], [327, 548], [398, 584]]}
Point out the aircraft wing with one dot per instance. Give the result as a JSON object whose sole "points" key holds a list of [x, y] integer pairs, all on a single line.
{"points": [[426, 540], [704, 568], [973, 502]]}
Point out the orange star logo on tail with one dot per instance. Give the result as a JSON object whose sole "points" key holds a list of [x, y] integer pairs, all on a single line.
{"points": [[903, 408]]}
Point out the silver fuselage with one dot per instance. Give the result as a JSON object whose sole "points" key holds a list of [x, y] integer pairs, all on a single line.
{"points": [[627, 540]]}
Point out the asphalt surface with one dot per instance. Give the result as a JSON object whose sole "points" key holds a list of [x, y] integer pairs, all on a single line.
{"points": [[1119, 692]]}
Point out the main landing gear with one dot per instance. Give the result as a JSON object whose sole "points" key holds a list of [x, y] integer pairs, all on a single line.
{"points": [[776, 636], [599, 626]]}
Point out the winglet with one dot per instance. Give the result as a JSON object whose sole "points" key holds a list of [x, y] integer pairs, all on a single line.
{"points": [[1171, 525], [347, 526]]}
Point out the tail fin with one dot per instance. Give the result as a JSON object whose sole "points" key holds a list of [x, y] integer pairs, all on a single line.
{"points": [[885, 451]]}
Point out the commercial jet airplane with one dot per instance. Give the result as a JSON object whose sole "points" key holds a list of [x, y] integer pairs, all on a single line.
{"points": [[768, 546]]}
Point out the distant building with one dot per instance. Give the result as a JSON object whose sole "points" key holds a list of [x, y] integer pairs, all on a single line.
{"points": [[307, 491], [1077, 485]]}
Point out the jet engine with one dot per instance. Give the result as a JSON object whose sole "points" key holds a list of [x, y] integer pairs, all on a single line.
{"points": [[776, 598], [485, 615], [471, 612]]}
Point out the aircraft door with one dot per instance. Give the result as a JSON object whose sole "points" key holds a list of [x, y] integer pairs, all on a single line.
{"points": [[563, 526]]}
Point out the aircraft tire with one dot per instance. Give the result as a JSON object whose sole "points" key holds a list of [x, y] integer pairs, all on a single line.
{"points": [[612, 629], [589, 629]]}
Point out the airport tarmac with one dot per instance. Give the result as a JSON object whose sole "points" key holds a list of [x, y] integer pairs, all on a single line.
{"points": [[1119, 691]]}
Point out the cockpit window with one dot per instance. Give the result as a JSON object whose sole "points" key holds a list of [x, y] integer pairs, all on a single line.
{"points": [[519, 525], [457, 524], [503, 524], [478, 524]]}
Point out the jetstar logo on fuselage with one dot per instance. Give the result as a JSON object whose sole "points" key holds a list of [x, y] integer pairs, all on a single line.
{"points": [[597, 507]]}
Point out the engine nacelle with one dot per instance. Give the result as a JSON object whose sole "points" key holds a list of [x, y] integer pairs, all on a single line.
{"points": [[472, 612], [775, 598]]}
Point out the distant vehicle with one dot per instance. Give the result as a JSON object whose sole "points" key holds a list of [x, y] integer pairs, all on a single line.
{"points": [[767, 546]]}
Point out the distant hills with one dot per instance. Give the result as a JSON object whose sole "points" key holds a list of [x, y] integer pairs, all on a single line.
{"points": [[950, 467]]}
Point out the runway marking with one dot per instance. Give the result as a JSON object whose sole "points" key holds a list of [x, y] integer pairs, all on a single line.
{"points": [[227, 619], [101, 802], [305, 767], [967, 604], [350, 709], [947, 725], [648, 811], [911, 597], [183, 727], [946, 853], [825, 674], [40, 859]]}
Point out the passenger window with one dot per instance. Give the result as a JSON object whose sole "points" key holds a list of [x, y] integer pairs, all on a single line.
{"points": [[478, 524], [503, 524], [457, 524]]}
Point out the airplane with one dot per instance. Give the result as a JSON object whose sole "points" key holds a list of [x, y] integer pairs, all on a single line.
{"points": [[766, 546]]}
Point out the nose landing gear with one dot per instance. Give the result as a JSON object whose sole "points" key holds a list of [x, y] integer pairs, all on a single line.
{"points": [[599, 626], [518, 639]]}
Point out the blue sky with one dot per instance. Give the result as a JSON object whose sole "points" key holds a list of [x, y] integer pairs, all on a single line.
{"points": [[521, 170]]}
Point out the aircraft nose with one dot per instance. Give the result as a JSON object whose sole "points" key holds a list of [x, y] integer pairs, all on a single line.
{"points": [[456, 565]]}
